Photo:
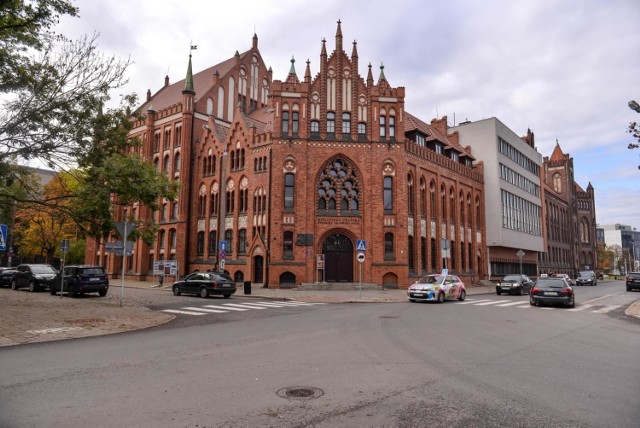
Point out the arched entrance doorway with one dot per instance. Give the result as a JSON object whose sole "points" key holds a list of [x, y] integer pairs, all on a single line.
{"points": [[338, 258], [258, 268]]}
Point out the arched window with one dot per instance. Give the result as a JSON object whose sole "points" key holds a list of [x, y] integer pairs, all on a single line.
{"points": [[346, 123], [383, 126], [410, 196], [202, 203], [387, 193], [432, 199], [289, 189], [338, 180], [443, 203], [362, 131], [331, 122], [315, 129], [176, 163], [200, 244], [173, 239], [161, 235], [423, 198], [557, 183], [174, 211], [166, 164], [295, 123], [392, 126], [242, 158], [212, 242], [242, 241], [285, 123], [228, 236]]}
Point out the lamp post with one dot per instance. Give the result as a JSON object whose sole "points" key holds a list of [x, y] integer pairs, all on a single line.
{"points": [[634, 106]]}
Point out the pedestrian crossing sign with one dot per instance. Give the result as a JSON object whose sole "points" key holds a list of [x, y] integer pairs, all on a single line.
{"points": [[361, 245], [3, 237]]}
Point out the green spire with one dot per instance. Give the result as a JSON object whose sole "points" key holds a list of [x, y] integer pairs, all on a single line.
{"points": [[382, 73], [292, 70], [188, 81]]}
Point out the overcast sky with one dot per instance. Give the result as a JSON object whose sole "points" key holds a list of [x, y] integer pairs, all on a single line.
{"points": [[565, 69]]}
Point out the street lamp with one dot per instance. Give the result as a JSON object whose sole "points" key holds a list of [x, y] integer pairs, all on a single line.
{"points": [[634, 106]]}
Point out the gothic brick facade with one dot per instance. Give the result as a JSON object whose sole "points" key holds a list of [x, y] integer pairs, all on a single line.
{"points": [[293, 174]]}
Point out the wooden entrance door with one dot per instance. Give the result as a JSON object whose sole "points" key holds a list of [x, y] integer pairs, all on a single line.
{"points": [[338, 256]]}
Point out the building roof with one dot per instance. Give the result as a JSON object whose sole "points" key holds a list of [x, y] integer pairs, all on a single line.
{"points": [[432, 133], [557, 154]]}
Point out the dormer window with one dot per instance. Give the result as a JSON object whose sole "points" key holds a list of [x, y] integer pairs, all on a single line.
{"points": [[454, 156], [439, 149]]}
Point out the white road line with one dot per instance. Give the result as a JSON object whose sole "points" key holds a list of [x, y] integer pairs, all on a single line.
{"points": [[226, 308], [492, 302], [606, 309], [268, 305], [599, 298], [213, 311], [580, 308], [471, 302], [175, 311], [513, 304], [243, 306], [296, 303]]}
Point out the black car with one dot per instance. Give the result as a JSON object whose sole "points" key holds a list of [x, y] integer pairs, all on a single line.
{"points": [[34, 276], [586, 277], [81, 279], [552, 291], [514, 284], [633, 281], [204, 284], [6, 275]]}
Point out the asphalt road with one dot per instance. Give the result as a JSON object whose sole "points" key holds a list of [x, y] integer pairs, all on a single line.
{"points": [[492, 361]]}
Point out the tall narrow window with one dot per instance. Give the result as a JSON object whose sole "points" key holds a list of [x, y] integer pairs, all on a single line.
{"points": [[411, 253], [557, 183], [331, 122], [388, 246], [213, 237], [410, 195], [388, 194], [315, 129], [392, 126], [173, 238], [423, 197], [362, 131], [161, 242], [242, 241], [346, 123], [228, 236], [285, 123], [383, 127], [200, 244], [288, 191], [287, 245], [294, 123], [176, 163]]}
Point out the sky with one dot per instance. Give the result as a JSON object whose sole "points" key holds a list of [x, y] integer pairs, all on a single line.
{"points": [[566, 69]]}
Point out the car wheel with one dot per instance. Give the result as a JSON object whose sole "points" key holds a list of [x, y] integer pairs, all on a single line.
{"points": [[52, 290], [532, 302], [32, 286], [176, 290], [414, 300], [204, 293], [628, 289], [572, 303], [102, 293], [441, 297], [463, 295], [498, 292], [14, 286], [226, 296], [521, 292], [72, 291]]}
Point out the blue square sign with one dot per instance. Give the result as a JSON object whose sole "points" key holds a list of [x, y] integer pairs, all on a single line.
{"points": [[3, 237], [361, 245]]}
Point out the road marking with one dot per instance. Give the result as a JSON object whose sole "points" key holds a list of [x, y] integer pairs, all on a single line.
{"points": [[580, 308], [492, 302], [243, 306], [513, 304], [226, 308], [175, 311], [472, 302], [268, 305], [606, 309], [54, 330], [213, 311], [599, 298]]}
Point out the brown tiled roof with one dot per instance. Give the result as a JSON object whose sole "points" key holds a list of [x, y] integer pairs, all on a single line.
{"points": [[557, 154], [202, 82], [412, 123], [262, 119], [578, 188]]}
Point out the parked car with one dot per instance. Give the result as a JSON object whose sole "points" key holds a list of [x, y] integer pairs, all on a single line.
{"points": [[6, 275], [81, 279], [205, 284], [586, 277], [514, 284], [34, 276], [566, 277], [554, 291], [633, 281], [437, 288]]}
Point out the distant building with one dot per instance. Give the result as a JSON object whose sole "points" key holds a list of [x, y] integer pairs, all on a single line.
{"points": [[295, 178], [569, 219], [513, 196], [627, 238]]}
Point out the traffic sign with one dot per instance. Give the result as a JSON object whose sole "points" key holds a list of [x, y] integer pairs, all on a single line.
{"points": [[361, 245], [361, 257], [64, 246], [520, 253], [3, 237], [120, 226], [222, 254], [222, 245]]}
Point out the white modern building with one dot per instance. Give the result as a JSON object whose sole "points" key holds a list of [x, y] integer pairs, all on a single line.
{"points": [[513, 204]]}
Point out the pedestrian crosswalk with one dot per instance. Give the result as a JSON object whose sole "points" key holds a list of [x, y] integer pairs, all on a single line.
{"points": [[524, 304], [235, 307]]}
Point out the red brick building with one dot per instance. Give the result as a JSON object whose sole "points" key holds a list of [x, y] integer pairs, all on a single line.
{"points": [[293, 174]]}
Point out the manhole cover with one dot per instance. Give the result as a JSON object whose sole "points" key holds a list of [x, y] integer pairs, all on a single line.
{"points": [[300, 392]]}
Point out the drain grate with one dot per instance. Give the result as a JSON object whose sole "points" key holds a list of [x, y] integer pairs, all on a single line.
{"points": [[300, 392]]}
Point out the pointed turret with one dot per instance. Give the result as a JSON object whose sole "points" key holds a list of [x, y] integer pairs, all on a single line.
{"points": [[557, 154], [339, 38], [188, 81], [369, 76], [254, 45], [292, 77], [307, 72], [354, 57]]}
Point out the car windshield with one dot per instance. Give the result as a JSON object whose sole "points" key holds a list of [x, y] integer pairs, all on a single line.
{"points": [[42, 269], [550, 282], [585, 274], [431, 279], [511, 278]]}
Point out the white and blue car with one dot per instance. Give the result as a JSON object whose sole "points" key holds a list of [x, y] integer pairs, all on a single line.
{"points": [[437, 288]]}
